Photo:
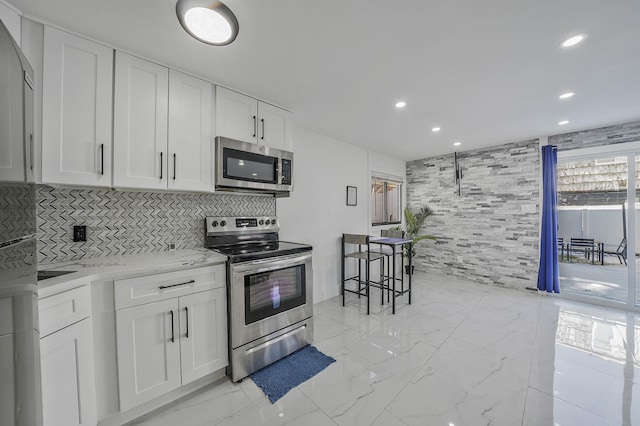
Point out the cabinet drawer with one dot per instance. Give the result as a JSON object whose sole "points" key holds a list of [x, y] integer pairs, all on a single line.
{"points": [[152, 288], [60, 310]]}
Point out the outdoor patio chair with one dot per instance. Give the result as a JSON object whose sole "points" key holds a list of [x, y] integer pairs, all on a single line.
{"points": [[621, 251], [561, 247]]}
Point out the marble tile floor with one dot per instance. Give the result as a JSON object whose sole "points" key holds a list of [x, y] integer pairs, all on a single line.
{"points": [[461, 354]]}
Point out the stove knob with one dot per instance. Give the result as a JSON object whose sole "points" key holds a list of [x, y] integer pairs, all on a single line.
{"points": [[214, 223], [261, 222], [273, 221], [223, 223]]}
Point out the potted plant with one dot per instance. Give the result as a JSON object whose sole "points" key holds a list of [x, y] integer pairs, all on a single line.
{"points": [[413, 223]]}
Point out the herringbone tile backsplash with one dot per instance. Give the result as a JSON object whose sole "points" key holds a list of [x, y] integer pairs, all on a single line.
{"points": [[128, 222]]}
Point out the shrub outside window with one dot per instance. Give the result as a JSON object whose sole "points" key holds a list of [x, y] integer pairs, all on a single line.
{"points": [[386, 200]]}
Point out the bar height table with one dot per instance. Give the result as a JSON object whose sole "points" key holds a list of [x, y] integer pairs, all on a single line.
{"points": [[394, 243]]}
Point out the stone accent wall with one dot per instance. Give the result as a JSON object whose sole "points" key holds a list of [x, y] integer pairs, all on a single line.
{"points": [[490, 233], [130, 222], [619, 133]]}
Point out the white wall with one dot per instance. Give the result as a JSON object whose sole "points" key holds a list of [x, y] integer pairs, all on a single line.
{"points": [[316, 213]]}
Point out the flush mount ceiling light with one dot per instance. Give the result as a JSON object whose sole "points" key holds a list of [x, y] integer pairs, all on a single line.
{"points": [[572, 41], [563, 122], [210, 21], [401, 104], [435, 129], [566, 95], [457, 143]]}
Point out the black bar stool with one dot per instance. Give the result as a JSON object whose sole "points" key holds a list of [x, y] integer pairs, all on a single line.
{"points": [[368, 256]]}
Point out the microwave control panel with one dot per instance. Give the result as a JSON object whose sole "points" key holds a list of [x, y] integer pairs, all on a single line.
{"points": [[286, 172]]}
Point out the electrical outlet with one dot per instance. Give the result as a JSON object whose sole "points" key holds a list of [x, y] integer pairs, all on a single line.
{"points": [[79, 233], [459, 259], [172, 246]]}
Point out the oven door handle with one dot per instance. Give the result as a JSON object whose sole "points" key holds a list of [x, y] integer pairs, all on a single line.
{"points": [[270, 263]]}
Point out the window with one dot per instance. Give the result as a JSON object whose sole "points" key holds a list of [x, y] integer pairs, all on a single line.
{"points": [[386, 200]]}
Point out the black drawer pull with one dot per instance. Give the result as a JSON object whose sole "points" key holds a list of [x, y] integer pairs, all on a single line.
{"points": [[162, 287]]}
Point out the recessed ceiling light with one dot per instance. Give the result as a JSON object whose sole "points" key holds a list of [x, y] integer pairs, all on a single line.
{"points": [[435, 129], [572, 41], [566, 95], [401, 104], [209, 21], [457, 143], [563, 122]]}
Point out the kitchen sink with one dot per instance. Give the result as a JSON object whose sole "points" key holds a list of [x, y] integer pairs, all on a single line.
{"points": [[43, 275]]}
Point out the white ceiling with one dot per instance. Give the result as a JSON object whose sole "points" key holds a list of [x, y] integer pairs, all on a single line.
{"points": [[487, 72]]}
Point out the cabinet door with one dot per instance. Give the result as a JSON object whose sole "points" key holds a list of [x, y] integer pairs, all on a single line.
{"points": [[11, 19], [274, 127], [190, 145], [12, 164], [203, 333], [140, 123], [148, 352], [236, 115], [76, 111], [7, 384], [68, 384]]}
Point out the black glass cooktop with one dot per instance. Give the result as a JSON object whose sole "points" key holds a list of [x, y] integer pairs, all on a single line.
{"points": [[260, 250]]}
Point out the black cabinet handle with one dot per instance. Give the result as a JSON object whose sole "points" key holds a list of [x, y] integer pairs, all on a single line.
{"points": [[262, 119], [174, 166], [255, 126], [186, 309], [31, 154], [173, 336], [102, 159], [161, 166], [162, 287]]}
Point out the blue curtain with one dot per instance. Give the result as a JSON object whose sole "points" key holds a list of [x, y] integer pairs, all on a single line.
{"points": [[548, 276]]}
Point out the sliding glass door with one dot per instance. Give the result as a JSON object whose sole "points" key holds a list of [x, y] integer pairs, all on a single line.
{"points": [[597, 237]]}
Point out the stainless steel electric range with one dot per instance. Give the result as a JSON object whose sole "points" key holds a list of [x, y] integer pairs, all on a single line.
{"points": [[269, 291]]}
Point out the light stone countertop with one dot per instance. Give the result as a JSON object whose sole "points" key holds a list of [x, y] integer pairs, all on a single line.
{"points": [[120, 267]]}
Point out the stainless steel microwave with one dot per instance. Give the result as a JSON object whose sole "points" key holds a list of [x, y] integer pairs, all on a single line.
{"points": [[243, 166]]}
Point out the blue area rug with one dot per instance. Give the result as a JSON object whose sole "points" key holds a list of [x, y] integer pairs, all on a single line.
{"points": [[283, 375]]}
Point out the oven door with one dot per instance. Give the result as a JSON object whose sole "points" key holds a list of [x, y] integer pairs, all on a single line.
{"points": [[268, 295]]}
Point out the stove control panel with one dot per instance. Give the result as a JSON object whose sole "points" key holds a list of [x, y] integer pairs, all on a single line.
{"points": [[221, 225]]}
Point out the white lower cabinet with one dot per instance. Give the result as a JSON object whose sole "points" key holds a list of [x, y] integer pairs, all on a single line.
{"points": [[148, 352], [7, 384], [203, 334], [68, 386], [165, 344]]}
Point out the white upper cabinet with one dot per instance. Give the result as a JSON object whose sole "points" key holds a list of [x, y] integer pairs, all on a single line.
{"points": [[190, 146], [141, 96], [12, 149], [76, 115], [236, 115], [274, 127], [244, 118], [11, 19]]}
